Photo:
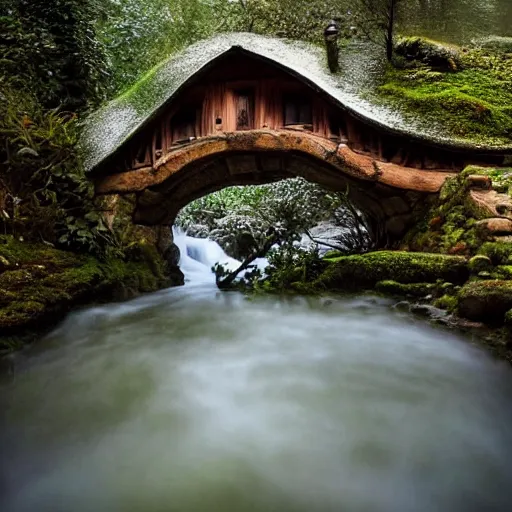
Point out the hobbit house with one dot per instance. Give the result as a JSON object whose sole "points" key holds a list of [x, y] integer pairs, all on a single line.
{"points": [[242, 109]]}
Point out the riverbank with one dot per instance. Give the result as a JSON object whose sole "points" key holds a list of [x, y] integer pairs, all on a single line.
{"points": [[39, 284]]}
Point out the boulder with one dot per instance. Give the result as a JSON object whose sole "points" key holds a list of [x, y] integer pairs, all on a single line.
{"points": [[479, 181], [365, 271], [439, 56], [486, 301], [495, 226]]}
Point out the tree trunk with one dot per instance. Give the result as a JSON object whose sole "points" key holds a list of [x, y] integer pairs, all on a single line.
{"points": [[390, 29]]}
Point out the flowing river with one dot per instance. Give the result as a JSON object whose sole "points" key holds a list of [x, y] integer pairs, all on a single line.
{"points": [[194, 400]]}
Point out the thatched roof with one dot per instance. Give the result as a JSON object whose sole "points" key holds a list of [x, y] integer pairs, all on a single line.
{"points": [[109, 128]]}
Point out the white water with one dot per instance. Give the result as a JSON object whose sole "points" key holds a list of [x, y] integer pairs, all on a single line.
{"points": [[193, 400]]}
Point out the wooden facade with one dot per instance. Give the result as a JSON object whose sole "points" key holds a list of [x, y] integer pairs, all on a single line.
{"points": [[245, 94]]}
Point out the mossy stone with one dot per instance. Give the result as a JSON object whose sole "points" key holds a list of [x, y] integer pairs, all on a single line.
{"points": [[485, 301], [394, 288], [479, 263], [46, 282], [365, 271], [446, 302], [498, 252]]}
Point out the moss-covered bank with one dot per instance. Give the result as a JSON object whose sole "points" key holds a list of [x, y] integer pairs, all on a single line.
{"points": [[40, 284], [466, 91], [365, 271]]}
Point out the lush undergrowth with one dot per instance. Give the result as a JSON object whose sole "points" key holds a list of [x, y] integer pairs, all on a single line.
{"points": [[471, 99], [38, 283]]}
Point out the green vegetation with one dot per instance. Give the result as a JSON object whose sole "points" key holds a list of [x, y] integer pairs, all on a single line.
{"points": [[38, 283], [472, 100], [365, 271], [400, 289], [486, 301], [451, 225]]}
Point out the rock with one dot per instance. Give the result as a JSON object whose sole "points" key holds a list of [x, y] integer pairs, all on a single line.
{"points": [[446, 302], [479, 263], [395, 288], [495, 43], [28, 152], [479, 181], [484, 275], [398, 225], [448, 288], [486, 301], [403, 305], [495, 226], [428, 311], [365, 271], [172, 255], [326, 231], [439, 56]]}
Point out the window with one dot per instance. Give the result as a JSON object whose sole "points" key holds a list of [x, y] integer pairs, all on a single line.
{"points": [[244, 110], [297, 110], [183, 125]]}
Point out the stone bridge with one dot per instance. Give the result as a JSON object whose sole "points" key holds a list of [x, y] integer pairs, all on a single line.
{"points": [[241, 109]]}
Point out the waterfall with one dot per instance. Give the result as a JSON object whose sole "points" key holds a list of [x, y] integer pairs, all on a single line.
{"points": [[199, 255]]}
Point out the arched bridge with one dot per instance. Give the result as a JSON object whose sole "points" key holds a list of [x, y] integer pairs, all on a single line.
{"points": [[243, 109]]}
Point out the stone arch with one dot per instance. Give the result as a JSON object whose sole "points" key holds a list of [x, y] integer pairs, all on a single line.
{"points": [[387, 193]]}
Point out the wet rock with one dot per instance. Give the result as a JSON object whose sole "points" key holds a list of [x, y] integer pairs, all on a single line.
{"points": [[402, 306], [172, 255], [486, 301], [495, 226], [328, 232], [428, 311], [479, 181]]}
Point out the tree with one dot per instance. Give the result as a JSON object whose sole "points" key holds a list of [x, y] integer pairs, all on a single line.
{"points": [[378, 20]]}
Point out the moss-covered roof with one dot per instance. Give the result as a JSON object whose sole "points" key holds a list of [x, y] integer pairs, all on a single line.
{"points": [[107, 129]]}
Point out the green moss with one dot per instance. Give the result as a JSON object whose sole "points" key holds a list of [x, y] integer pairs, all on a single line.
{"points": [[451, 225], [394, 288], [503, 272], [365, 271], [497, 44], [498, 252], [472, 104], [446, 302], [479, 263], [47, 282], [485, 301]]}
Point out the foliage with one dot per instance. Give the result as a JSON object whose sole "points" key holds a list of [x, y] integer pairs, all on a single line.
{"points": [[50, 48], [44, 194], [138, 34], [239, 218], [290, 268], [378, 19]]}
